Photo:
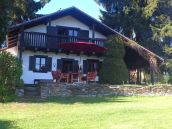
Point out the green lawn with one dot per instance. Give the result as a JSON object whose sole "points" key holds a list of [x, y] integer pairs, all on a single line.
{"points": [[88, 113]]}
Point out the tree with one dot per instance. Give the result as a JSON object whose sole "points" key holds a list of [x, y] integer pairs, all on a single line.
{"points": [[114, 69], [148, 22], [17, 11], [161, 26], [10, 73], [125, 16]]}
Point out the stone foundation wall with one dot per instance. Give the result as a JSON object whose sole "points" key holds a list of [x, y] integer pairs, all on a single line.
{"points": [[61, 89]]}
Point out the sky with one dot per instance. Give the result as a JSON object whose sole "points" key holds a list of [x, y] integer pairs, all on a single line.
{"points": [[88, 6]]}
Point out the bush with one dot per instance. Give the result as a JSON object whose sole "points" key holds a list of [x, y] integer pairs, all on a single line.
{"points": [[20, 84], [166, 70], [10, 73], [114, 69]]}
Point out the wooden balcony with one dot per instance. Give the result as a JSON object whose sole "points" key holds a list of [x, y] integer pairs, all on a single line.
{"points": [[42, 41]]}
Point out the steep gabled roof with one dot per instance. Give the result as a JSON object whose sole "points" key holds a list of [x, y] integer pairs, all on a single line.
{"points": [[72, 11], [89, 21]]}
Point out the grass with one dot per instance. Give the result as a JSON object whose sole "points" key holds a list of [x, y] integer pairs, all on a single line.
{"points": [[88, 113]]}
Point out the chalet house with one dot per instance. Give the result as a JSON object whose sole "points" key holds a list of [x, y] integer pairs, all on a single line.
{"points": [[69, 40]]}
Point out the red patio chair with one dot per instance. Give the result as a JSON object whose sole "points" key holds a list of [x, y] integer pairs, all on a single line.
{"points": [[91, 76], [56, 75], [75, 77], [65, 77]]}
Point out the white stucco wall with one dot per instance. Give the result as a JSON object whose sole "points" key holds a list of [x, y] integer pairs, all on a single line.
{"points": [[29, 76], [13, 51], [66, 21]]}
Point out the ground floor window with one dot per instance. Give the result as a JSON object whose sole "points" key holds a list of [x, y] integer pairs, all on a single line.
{"points": [[39, 63]]}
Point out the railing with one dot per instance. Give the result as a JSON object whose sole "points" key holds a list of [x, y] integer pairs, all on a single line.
{"points": [[42, 40], [34, 39]]}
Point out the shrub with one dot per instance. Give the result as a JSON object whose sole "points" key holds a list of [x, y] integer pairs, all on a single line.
{"points": [[10, 72], [114, 69], [166, 70], [20, 83]]}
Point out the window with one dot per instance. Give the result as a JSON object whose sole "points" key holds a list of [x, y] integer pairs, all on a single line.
{"points": [[67, 31], [40, 64], [91, 65], [62, 31], [70, 32], [73, 32]]}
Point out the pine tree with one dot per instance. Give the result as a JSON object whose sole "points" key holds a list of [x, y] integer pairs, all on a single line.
{"points": [[149, 22], [114, 69], [161, 26]]}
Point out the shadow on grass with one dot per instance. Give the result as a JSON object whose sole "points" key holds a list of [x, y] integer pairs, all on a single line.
{"points": [[73, 100], [7, 125]]}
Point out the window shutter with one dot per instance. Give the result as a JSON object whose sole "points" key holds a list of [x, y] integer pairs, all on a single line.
{"points": [[31, 63], [85, 66], [59, 64], [99, 67], [52, 31], [52, 40], [83, 34], [49, 64], [75, 66]]}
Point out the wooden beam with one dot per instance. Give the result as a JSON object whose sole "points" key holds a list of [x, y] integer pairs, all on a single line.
{"points": [[21, 42], [12, 44], [93, 31], [49, 22], [12, 37], [12, 41], [138, 76], [152, 77]]}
